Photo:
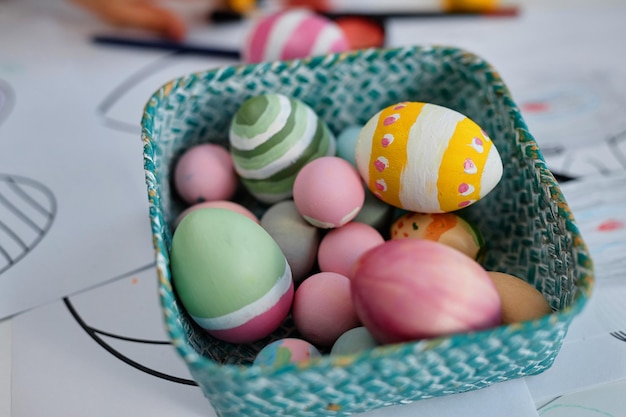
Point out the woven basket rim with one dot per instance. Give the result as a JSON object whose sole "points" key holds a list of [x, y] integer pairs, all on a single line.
{"points": [[196, 361]]}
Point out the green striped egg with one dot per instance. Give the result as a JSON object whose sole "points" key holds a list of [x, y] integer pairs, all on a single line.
{"points": [[272, 137]]}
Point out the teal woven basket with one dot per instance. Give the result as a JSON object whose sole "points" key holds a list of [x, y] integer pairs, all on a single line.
{"points": [[528, 228]]}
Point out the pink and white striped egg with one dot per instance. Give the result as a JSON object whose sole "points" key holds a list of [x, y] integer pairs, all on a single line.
{"points": [[290, 34]]}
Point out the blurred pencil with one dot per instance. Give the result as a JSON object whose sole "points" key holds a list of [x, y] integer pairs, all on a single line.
{"points": [[166, 45]]}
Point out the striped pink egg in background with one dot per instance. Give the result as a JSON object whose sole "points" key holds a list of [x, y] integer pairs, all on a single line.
{"points": [[290, 34]]}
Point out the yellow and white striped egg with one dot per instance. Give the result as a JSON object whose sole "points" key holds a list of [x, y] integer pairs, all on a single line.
{"points": [[426, 158]]}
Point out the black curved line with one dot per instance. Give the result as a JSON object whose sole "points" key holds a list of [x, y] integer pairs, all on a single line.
{"points": [[10, 100], [7, 257], [16, 179], [14, 235], [619, 335], [21, 215], [119, 92], [130, 339], [90, 331], [613, 143], [19, 191]]}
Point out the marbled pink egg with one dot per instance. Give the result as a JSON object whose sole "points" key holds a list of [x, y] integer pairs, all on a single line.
{"points": [[341, 247], [205, 173], [290, 34], [286, 351], [322, 308], [328, 192], [413, 289]]}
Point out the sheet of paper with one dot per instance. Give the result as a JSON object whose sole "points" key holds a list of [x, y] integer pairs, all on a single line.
{"points": [[604, 401], [510, 398], [106, 354], [73, 201], [5, 367]]}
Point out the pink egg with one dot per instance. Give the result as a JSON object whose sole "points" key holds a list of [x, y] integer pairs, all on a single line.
{"points": [[292, 33], [328, 192], [225, 204], [341, 247], [412, 289], [323, 309], [205, 173]]}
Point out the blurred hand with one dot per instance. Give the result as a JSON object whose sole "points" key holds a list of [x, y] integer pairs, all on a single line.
{"points": [[142, 14]]}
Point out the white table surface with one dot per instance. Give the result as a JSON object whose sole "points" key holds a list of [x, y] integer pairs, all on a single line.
{"points": [[44, 46]]}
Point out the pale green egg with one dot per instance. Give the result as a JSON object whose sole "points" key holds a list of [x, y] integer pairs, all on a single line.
{"points": [[230, 275]]}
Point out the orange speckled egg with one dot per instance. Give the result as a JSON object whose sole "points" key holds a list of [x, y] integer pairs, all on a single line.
{"points": [[447, 228], [426, 158]]}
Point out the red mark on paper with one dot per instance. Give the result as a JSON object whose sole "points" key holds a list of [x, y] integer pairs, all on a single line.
{"points": [[610, 225], [535, 107]]}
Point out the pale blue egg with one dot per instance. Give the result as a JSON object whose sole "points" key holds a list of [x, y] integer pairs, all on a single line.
{"points": [[346, 143], [353, 341]]}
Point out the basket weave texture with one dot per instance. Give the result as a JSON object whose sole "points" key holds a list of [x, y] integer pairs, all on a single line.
{"points": [[528, 228]]}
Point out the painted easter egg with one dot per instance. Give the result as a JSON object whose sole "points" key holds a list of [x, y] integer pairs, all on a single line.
{"points": [[426, 158], [234, 301], [285, 351], [341, 247], [205, 173], [346, 143], [290, 34], [447, 228], [375, 212], [323, 308], [272, 137], [225, 204], [328, 192], [297, 238], [520, 300], [353, 341], [362, 32], [410, 289]]}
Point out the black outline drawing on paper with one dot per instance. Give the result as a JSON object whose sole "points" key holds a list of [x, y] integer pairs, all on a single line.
{"points": [[619, 335], [29, 209], [126, 85], [7, 100], [162, 64], [616, 145], [99, 336]]}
